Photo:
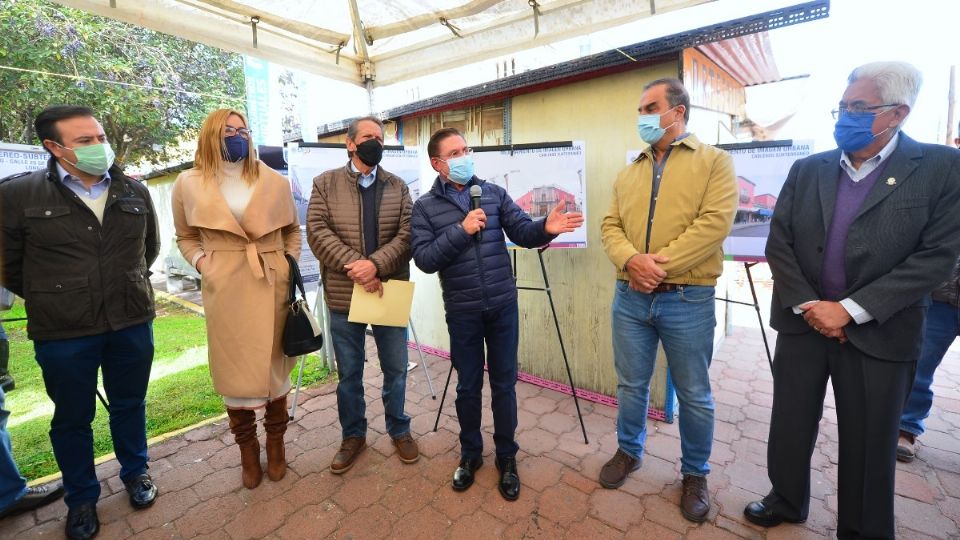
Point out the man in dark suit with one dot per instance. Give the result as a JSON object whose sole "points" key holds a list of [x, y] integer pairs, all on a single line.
{"points": [[859, 238]]}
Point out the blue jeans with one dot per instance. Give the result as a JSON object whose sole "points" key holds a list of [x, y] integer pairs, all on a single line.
{"points": [[683, 320], [69, 369], [12, 485], [499, 328], [348, 344], [940, 327]]}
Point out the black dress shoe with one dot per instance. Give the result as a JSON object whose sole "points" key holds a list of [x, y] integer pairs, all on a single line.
{"points": [[760, 514], [82, 522], [509, 485], [463, 476], [142, 491], [34, 498]]}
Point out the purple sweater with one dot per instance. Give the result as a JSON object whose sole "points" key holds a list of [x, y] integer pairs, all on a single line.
{"points": [[850, 198]]}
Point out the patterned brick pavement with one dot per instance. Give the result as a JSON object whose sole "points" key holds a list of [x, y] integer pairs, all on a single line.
{"points": [[199, 478]]}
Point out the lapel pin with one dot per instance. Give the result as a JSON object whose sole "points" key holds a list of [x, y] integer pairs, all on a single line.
{"points": [[891, 181]]}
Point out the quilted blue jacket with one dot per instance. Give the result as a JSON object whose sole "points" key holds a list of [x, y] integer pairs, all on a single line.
{"points": [[474, 275]]}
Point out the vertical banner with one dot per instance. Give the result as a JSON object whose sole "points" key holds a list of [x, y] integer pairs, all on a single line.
{"points": [[256, 74]]}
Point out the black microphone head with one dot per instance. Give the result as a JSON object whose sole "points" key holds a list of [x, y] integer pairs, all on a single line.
{"points": [[475, 191]]}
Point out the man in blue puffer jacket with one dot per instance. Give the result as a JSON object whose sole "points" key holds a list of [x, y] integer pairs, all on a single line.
{"points": [[468, 248]]}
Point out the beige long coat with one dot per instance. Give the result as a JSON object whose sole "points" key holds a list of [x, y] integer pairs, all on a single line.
{"points": [[245, 278]]}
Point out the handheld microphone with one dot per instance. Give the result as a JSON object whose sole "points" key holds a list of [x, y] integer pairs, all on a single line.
{"points": [[475, 193]]}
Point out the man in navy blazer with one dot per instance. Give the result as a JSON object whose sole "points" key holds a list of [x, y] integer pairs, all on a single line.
{"points": [[860, 236]]}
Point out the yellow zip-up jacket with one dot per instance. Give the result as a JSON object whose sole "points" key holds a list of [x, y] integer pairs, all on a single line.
{"points": [[696, 205]]}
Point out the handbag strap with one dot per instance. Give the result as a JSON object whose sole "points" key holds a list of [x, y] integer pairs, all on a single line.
{"points": [[296, 280]]}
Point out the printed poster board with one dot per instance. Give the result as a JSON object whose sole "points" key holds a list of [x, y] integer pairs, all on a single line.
{"points": [[538, 177], [18, 158], [306, 162], [761, 168]]}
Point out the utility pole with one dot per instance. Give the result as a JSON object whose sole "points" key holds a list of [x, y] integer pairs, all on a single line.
{"points": [[951, 94]]}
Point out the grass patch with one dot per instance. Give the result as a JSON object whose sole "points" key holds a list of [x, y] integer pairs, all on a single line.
{"points": [[180, 392]]}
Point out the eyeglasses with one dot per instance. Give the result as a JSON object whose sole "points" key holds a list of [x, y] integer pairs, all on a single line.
{"points": [[230, 131], [859, 109], [457, 153]]}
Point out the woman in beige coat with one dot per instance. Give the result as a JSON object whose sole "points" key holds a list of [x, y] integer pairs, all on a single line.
{"points": [[235, 218]]}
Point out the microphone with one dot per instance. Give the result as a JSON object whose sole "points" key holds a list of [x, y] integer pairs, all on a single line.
{"points": [[475, 193]]}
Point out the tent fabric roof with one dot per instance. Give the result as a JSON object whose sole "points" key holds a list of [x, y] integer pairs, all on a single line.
{"points": [[377, 42], [729, 35]]}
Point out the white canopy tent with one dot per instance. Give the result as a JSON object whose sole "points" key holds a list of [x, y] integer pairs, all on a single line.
{"points": [[377, 42]]}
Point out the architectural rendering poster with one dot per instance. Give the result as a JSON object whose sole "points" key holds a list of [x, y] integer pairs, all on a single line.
{"points": [[761, 172], [540, 178], [304, 163]]}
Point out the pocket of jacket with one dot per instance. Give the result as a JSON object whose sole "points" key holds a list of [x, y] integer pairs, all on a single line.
{"points": [[49, 225], [139, 293], [60, 303], [133, 216]]}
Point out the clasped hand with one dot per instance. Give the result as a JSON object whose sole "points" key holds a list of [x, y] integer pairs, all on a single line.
{"points": [[364, 272], [645, 272], [827, 317]]}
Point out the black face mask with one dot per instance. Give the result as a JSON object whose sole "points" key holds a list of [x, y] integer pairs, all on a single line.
{"points": [[370, 152]]}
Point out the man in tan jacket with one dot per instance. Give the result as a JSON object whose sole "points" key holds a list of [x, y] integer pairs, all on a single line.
{"points": [[358, 226], [671, 210]]}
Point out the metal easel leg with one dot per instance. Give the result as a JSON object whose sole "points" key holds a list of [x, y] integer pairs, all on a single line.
{"points": [[423, 360], [563, 349]]}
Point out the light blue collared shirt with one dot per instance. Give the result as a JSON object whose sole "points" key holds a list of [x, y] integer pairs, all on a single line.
{"points": [[871, 164], [77, 186], [365, 179]]}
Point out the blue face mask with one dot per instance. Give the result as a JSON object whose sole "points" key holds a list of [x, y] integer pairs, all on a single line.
{"points": [[461, 169], [648, 125], [237, 148], [854, 131]]}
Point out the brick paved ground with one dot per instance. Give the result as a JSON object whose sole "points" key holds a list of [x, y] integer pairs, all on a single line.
{"points": [[199, 476]]}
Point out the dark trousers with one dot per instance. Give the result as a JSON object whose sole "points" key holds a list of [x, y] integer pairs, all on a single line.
{"points": [[869, 395], [499, 328], [70, 369]]}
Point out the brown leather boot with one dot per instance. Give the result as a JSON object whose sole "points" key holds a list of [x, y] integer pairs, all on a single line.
{"points": [[275, 423], [243, 425]]}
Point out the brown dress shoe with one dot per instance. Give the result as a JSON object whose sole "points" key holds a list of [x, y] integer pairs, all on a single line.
{"points": [[407, 448], [614, 472], [350, 450], [695, 500], [906, 447]]}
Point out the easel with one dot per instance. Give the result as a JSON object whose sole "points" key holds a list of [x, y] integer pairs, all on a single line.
{"points": [[328, 357], [546, 288]]}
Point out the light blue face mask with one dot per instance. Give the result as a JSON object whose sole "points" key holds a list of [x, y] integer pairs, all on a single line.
{"points": [[461, 169], [648, 125]]}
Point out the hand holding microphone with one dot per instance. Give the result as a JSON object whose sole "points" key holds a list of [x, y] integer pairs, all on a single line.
{"points": [[476, 219]]}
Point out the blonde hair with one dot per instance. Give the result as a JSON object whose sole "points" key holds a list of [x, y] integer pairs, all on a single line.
{"points": [[211, 149]]}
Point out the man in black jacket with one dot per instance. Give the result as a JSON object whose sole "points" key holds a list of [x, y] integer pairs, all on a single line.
{"points": [[479, 293], [78, 241]]}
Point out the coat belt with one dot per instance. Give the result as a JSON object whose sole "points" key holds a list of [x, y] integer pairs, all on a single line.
{"points": [[254, 255]]}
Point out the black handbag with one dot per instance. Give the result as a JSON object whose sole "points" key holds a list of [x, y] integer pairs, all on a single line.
{"points": [[301, 333]]}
